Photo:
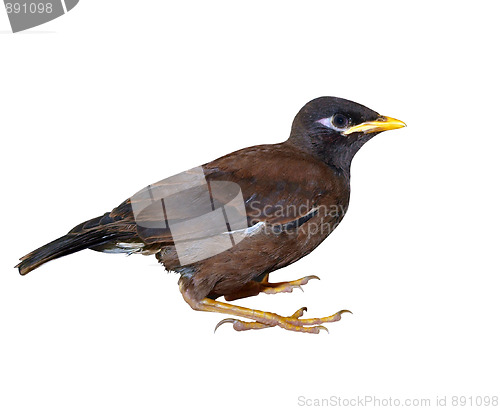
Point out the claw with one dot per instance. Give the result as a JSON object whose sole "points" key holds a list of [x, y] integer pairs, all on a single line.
{"points": [[241, 325], [322, 328], [228, 320]]}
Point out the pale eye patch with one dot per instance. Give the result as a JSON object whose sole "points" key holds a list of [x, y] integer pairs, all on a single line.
{"points": [[327, 122]]}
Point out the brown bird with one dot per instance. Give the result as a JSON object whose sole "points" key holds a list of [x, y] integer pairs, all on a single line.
{"points": [[226, 225]]}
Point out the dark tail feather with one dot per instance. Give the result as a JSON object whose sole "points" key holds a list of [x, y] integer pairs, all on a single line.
{"points": [[63, 246]]}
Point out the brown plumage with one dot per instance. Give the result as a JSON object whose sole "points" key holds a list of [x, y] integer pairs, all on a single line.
{"points": [[295, 193]]}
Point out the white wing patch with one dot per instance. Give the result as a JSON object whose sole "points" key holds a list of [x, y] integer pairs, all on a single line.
{"points": [[124, 247], [250, 231]]}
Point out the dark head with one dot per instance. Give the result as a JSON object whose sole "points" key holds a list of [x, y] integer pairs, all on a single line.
{"points": [[334, 129]]}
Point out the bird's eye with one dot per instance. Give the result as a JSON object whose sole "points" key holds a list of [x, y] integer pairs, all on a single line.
{"points": [[340, 121], [337, 122]]}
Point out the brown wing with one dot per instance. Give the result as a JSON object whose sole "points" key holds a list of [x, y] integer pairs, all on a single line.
{"points": [[277, 186]]}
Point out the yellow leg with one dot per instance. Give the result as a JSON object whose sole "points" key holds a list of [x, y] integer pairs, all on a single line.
{"points": [[240, 325], [286, 287], [253, 288], [262, 319]]}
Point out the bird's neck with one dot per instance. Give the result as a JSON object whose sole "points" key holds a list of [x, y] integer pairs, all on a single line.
{"points": [[337, 158], [337, 154]]}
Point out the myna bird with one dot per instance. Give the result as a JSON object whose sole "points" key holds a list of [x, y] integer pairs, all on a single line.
{"points": [[226, 225]]}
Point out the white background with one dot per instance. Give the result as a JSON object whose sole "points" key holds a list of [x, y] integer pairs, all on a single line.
{"points": [[119, 94]]}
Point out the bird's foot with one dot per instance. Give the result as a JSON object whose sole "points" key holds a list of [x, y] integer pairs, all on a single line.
{"points": [[293, 322], [286, 287], [262, 319], [253, 288]]}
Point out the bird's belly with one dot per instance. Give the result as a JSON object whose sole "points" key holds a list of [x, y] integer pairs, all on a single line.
{"points": [[260, 253]]}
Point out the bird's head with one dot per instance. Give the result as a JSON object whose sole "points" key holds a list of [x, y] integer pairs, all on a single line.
{"points": [[334, 129]]}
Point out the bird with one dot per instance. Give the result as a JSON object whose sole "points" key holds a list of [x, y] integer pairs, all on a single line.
{"points": [[226, 225]]}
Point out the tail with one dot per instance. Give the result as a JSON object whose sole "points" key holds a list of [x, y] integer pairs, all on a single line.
{"points": [[76, 240]]}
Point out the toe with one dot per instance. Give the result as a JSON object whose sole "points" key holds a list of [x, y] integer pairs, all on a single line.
{"points": [[299, 312]]}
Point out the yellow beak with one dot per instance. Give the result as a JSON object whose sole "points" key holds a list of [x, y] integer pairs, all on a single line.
{"points": [[381, 124]]}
